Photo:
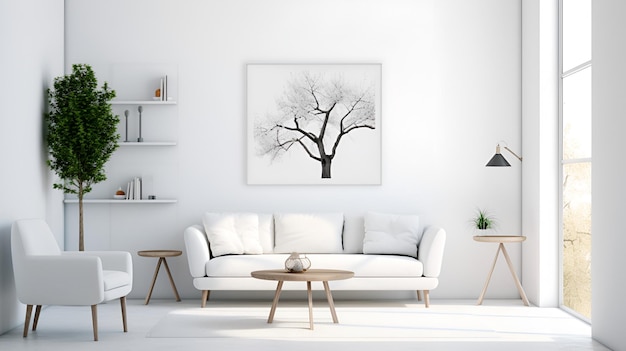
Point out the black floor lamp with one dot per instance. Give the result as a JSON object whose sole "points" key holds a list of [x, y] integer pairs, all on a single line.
{"points": [[499, 161]]}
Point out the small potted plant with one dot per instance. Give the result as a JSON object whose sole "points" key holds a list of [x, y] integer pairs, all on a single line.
{"points": [[483, 222]]}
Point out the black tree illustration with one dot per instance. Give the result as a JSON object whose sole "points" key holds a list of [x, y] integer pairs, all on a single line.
{"points": [[315, 113]]}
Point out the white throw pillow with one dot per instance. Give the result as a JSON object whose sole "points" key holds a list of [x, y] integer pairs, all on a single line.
{"points": [[391, 234], [308, 233], [232, 233]]}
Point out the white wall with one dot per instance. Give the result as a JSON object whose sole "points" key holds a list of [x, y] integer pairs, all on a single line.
{"points": [[608, 186], [540, 139], [451, 91], [31, 41]]}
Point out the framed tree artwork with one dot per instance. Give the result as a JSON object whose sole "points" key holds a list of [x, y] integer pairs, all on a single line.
{"points": [[314, 124]]}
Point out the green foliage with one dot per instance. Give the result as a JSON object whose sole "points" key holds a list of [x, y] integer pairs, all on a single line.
{"points": [[81, 133], [483, 220], [82, 130]]}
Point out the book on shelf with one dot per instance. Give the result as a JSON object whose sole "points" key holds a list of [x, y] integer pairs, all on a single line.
{"points": [[133, 189], [163, 87], [164, 95]]}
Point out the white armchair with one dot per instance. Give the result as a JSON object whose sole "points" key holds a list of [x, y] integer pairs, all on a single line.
{"points": [[45, 275]]}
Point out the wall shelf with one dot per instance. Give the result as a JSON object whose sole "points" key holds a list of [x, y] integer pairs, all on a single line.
{"points": [[142, 102], [115, 201], [147, 143]]}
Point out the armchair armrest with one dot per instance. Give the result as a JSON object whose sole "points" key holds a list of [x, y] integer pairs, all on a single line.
{"points": [[111, 260], [197, 248], [61, 280], [430, 251]]}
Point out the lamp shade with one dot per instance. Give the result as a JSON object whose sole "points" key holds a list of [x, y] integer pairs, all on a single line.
{"points": [[498, 161]]}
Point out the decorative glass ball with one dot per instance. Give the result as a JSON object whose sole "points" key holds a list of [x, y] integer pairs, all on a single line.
{"points": [[296, 263]]}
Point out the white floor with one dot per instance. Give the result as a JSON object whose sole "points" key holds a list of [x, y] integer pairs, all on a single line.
{"points": [[69, 328]]}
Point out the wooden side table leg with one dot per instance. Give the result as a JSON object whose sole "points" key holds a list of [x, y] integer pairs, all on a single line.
{"points": [[279, 287], [331, 303], [517, 282], [169, 274], [156, 272], [310, 295], [493, 266]]}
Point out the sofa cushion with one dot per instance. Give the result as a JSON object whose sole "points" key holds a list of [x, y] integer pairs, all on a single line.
{"points": [[361, 265], [308, 233], [391, 234], [232, 233], [266, 232], [353, 234]]}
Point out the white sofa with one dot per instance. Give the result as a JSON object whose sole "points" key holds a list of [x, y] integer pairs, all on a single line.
{"points": [[385, 251]]}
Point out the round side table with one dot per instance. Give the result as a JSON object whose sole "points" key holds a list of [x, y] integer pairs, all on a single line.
{"points": [[161, 254], [501, 239]]}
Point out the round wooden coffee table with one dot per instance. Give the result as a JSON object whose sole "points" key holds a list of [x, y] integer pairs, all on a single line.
{"points": [[311, 275], [161, 254]]}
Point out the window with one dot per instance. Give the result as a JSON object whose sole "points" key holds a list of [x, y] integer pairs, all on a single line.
{"points": [[575, 118]]}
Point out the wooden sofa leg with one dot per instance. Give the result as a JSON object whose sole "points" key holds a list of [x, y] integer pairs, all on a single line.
{"points": [[94, 321], [426, 298], [205, 297], [36, 320], [123, 305], [419, 295], [29, 311]]}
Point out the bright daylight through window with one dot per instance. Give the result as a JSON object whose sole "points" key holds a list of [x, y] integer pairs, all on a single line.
{"points": [[576, 155]]}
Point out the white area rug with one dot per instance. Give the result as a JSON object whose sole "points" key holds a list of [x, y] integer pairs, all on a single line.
{"points": [[449, 322]]}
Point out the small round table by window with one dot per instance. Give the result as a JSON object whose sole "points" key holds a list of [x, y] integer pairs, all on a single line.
{"points": [[161, 254], [501, 239]]}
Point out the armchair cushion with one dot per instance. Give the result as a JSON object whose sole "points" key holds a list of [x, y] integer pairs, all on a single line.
{"points": [[115, 279]]}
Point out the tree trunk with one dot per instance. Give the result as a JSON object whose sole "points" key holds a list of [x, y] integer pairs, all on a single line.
{"points": [[81, 232], [326, 163]]}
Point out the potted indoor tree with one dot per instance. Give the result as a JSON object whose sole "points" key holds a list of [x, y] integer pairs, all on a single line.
{"points": [[81, 134]]}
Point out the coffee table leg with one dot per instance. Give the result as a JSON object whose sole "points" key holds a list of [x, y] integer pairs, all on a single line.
{"points": [[169, 274], [279, 287], [156, 272], [310, 295], [331, 304]]}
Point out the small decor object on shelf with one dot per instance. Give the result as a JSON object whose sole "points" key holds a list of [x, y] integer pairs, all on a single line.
{"points": [[120, 194], [140, 109], [295, 263], [126, 129]]}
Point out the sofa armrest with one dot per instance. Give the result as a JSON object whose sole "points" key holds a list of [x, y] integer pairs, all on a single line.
{"points": [[430, 251], [197, 248]]}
